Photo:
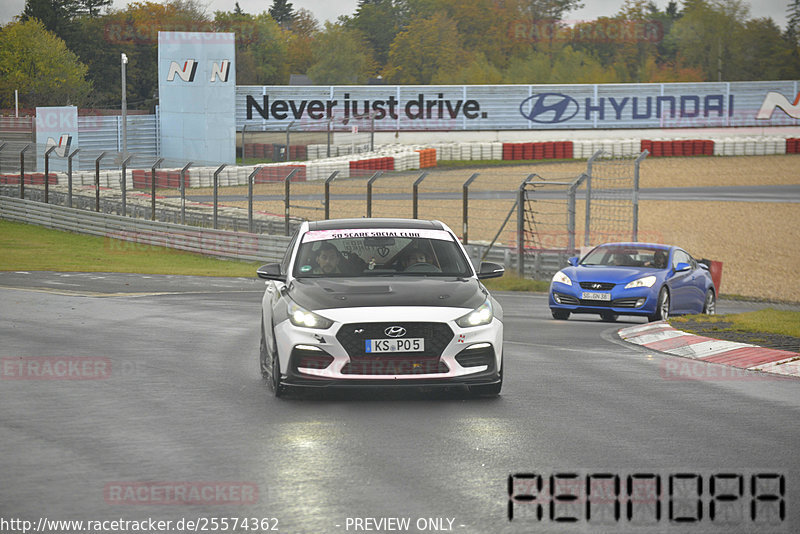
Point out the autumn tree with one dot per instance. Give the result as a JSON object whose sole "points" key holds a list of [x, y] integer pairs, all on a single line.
{"points": [[38, 64], [428, 47], [339, 57]]}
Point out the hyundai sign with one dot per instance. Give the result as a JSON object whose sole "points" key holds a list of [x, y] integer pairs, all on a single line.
{"points": [[523, 107], [197, 96]]}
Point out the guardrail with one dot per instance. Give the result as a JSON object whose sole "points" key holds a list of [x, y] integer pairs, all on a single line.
{"points": [[219, 243]]}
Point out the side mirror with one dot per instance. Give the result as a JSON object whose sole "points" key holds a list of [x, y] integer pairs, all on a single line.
{"points": [[271, 271], [681, 267], [573, 261], [490, 270]]}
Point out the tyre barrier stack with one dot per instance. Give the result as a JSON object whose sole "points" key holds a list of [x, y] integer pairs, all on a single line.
{"points": [[396, 157], [31, 178]]}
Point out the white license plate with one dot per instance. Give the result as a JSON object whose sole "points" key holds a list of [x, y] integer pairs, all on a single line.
{"points": [[596, 296], [403, 344]]}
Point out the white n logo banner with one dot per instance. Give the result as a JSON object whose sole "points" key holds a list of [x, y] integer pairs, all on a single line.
{"points": [[220, 70], [185, 72], [777, 100]]}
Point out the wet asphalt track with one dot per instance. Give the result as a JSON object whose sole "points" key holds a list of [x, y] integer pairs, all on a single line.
{"points": [[184, 405]]}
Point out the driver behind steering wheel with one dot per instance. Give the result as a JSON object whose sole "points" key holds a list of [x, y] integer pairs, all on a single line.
{"points": [[413, 257]]}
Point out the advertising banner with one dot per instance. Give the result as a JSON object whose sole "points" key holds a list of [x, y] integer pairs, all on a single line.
{"points": [[56, 126], [522, 107], [197, 96]]}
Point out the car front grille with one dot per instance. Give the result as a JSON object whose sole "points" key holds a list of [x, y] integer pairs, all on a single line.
{"points": [[394, 365], [603, 286], [353, 336]]}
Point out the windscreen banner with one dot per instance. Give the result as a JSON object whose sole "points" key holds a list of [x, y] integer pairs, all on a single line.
{"points": [[521, 107]]}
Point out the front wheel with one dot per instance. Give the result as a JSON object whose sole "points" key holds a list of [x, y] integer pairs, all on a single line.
{"points": [[662, 308], [270, 366], [561, 315], [710, 305]]}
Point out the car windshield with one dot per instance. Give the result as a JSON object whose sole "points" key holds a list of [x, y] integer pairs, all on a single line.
{"points": [[379, 252], [627, 256]]}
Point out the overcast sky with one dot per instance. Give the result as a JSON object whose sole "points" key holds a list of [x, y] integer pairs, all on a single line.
{"points": [[331, 9]]}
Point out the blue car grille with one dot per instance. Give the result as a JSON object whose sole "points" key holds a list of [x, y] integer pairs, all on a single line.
{"points": [[603, 286]]}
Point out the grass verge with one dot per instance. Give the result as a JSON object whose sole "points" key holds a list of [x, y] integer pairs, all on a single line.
{"points": [[512, 282], [769, 321], [27, 247]]}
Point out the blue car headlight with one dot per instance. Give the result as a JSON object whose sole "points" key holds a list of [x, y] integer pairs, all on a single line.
{"points": [[561, 277], [300, 316], [477, 317], [647, 281]]}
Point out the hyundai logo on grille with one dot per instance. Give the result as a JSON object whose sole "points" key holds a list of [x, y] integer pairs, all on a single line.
{"points": [[549, 108], [395, 331]]}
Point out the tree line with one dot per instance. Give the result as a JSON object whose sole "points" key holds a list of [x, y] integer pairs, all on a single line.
{"points": [[59, 52]]}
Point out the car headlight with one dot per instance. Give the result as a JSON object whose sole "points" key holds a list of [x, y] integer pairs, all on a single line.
{"points": [[481, 315], [647, 281], [300, 316], [561, 277]]}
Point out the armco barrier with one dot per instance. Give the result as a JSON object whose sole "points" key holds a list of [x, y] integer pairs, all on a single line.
{"points": [[220, 243]]}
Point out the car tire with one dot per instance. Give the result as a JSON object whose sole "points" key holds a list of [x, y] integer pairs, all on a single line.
{"points": [[270, 366], [662, 306], [710, 304], [608, 317], [561, 315], [487, 390]]}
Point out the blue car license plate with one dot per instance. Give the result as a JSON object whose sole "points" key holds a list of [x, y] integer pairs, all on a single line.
{"points": [[596, 296]]}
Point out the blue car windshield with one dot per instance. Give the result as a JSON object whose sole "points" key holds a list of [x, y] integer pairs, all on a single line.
{"points": [[380, 252], [627, 256]]}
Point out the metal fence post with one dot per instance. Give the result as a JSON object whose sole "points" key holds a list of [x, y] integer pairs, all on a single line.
{"points": [[123, 184], [635, 195], [22, 171], [183, 191], [244, 128], [286, 199], [465, 206], [328, 181], [2, 146], [69, 176], [369, 191], [250, 179], [521, 225], [47, 174], [571, 195], [286, 157], [97, 181], [588, 218], [156, 163], [415, 195], [216, 183]]}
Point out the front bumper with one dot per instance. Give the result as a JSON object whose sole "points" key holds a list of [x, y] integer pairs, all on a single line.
{"points": [[334, 357], [637, 301]]}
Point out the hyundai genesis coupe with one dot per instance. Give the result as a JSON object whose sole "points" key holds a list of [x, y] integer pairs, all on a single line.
{"points": [[644, 279]]}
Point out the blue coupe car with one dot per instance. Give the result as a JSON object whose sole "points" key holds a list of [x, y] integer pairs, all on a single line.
{"points": [[642, 279]]}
